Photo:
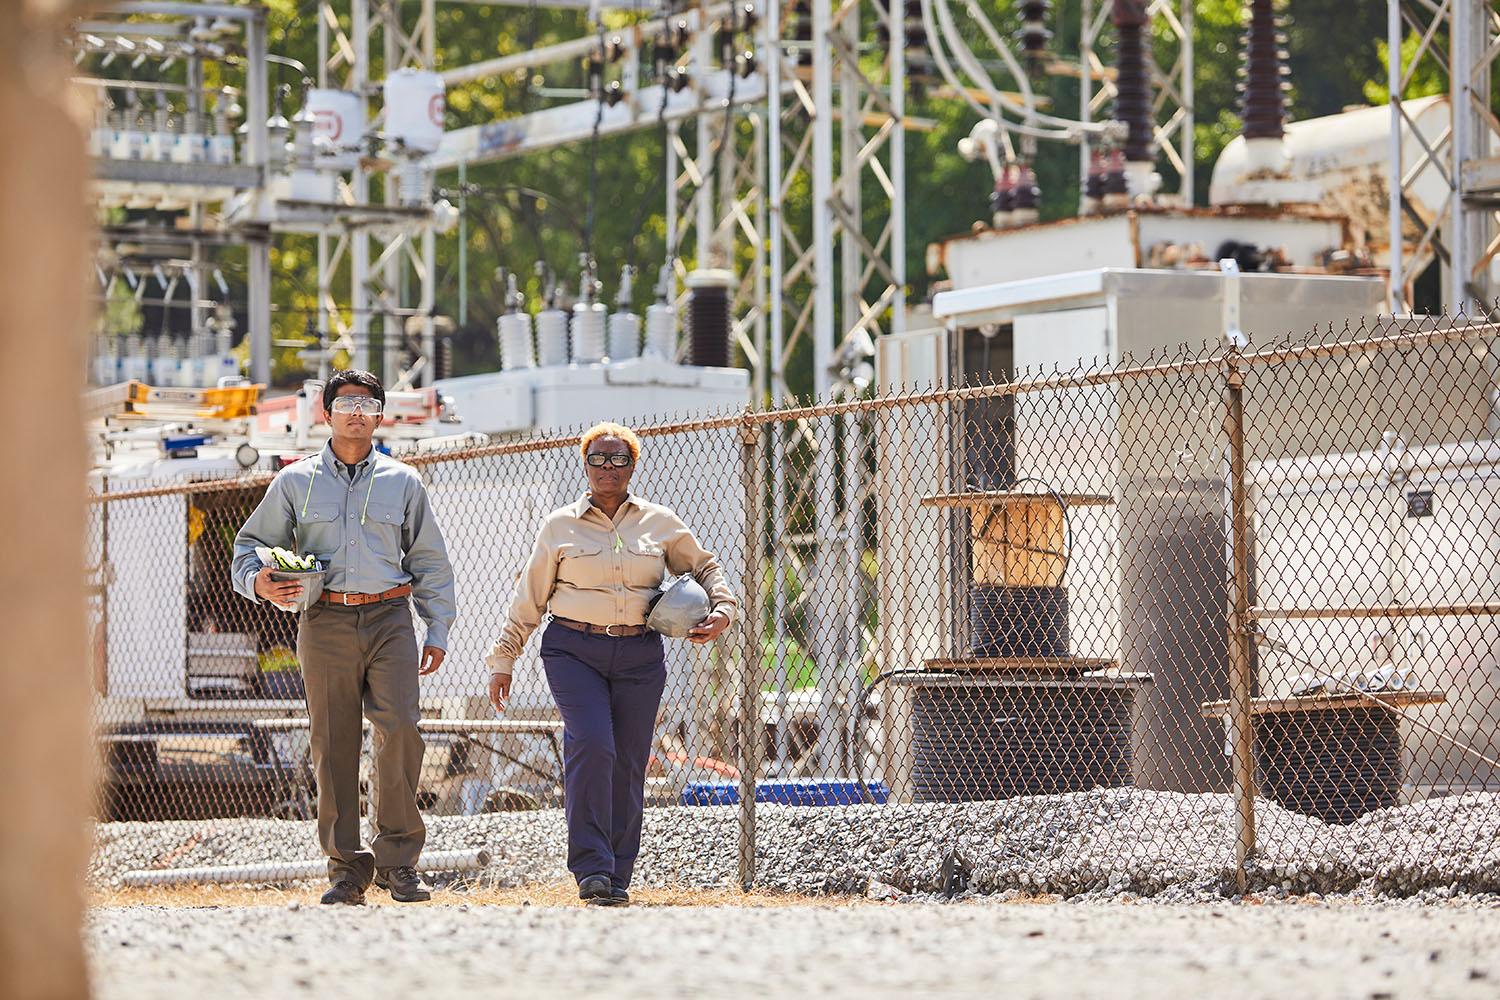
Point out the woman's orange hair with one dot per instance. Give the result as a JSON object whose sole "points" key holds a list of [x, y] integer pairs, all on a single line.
{"points": [[608, 429]]}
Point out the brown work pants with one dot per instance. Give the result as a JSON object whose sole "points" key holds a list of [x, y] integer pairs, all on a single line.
{"points": [[364, 661]]}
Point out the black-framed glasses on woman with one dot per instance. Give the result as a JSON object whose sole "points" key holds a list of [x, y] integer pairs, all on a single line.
{"points": [[599, 459]]}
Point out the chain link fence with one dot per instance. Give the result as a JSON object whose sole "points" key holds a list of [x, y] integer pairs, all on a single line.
{"points": [[1223, 619]]}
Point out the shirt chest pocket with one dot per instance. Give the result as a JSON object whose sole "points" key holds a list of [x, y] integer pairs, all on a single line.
{"points": [[645, 564], [582, 564], [318, 530], [382, 528]]}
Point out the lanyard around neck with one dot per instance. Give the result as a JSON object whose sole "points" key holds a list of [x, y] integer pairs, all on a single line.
{"points": [[363, 510]]}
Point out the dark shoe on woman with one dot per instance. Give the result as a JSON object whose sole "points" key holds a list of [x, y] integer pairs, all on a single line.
{"points": [[595, 890]]}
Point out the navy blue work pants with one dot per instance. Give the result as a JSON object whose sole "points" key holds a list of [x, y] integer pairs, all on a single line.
{"points": [[608, 691]]}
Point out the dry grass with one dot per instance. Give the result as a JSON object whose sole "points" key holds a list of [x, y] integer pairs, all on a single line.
{"points": [[555, 894]]}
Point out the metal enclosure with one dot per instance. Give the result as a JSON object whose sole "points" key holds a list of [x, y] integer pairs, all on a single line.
{"points": [[1147, 576]]}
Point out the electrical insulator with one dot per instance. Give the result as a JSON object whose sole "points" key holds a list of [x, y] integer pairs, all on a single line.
{"points": [[515, 341], [551, 322], [1002, 199], [748, 63], [514, 327], [624, 336], [708, 318], [661, 331], [278, 129], [1034, 35], [920, 70], [802, 31], [1026, 197], [614, 49], [588, 335], [1116, 187], [1093, 184], [614, 93], [551, 337], [221, 145], [661, 320], [624, 325], [678, 80], [593, 71], [724, 42], [663, 57]]}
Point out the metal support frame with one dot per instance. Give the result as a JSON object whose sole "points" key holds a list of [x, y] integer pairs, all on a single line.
{"points": [[377, 293], [837, 288], [1172, 88], [1462, 233]]}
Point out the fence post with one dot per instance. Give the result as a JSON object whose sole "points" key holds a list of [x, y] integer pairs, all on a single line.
{"points": [[1242, 733], [750, 626]]}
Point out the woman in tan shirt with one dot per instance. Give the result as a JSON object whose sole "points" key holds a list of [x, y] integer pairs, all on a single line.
{"points": [[596, 565]]}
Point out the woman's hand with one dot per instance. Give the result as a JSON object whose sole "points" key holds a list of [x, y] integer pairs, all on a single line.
{"points": [[499, 691], [709, 628]]}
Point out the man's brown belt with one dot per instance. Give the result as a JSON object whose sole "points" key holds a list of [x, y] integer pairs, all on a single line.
{"points": [[613, 631], [339, 599]]}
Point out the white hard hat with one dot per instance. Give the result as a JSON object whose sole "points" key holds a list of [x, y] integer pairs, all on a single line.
{"points": [[678, 608]]}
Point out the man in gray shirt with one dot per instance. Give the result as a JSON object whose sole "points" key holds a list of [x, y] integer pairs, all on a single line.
{"points": [[366, 518]]}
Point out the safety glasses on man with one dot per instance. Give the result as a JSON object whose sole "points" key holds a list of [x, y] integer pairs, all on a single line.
{"points": [[368, 405]]}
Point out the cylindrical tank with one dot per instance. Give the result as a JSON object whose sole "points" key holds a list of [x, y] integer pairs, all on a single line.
{"points": [[708, 318], [661, 331], [515, 341], [415, 103], [338, 123], [551, 338], [624, 336], [588, 334]]}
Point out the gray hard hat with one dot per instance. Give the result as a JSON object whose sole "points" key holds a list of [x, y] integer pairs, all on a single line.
{"points": [[678, 608]]}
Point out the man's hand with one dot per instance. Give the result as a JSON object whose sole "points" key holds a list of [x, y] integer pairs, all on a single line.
{"points": [[276, 591], [709, 628], [432, 658], [499, 691]]}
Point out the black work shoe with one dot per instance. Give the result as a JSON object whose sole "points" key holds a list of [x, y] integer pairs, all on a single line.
{"points": [[620, 896], [403, 882], [344, 893], [596, 891]]}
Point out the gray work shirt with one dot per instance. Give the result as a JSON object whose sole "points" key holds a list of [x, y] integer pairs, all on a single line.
{"points": [[371, 533]]}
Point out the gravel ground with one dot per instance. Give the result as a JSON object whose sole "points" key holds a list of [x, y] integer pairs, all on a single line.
{"points": [[1106, 844], [984, 948]]}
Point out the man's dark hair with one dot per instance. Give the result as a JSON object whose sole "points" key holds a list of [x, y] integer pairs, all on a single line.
{"points": [[351, 377]]}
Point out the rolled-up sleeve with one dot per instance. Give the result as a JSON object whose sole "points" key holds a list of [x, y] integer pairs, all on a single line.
{"points": [[271, 524], [426, 560], [533, 591], [686, 555]]}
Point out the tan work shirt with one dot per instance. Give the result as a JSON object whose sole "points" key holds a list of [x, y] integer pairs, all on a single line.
{"points": [[591, 569]]}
